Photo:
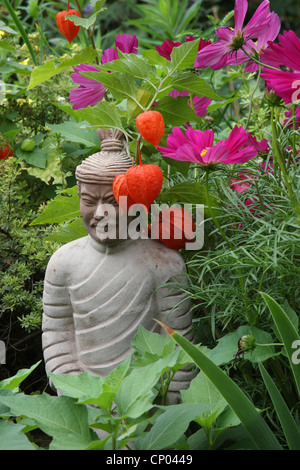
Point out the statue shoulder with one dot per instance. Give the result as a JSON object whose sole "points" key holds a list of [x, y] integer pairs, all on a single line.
{"points": [[169, 262], [64, 260]]}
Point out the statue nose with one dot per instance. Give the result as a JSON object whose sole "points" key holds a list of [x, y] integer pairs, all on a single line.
{"points": [[100, 211]]}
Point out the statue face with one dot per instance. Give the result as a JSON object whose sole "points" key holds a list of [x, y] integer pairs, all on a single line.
{"points": [[99, 211]]}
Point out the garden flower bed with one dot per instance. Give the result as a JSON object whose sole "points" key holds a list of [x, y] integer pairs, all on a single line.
{"points": [[209, 103]]}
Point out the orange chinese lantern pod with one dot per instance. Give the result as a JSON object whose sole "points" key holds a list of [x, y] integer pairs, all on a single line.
{"points": [[174, 227], [151, 126], [120, 189], [5, 152], [144, 183], [65, 26]]}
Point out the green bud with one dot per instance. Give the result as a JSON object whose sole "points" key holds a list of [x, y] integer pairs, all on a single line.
{"points": [[28, 145], [247, 343]]}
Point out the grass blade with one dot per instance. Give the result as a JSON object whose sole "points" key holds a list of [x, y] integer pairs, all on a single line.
{"points": [[289, 426], [263, 438], [287, 332], [20, 28]]}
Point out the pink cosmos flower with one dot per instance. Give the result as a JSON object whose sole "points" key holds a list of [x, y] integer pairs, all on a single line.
{"points": [[228, 49], [286, 53], [91, 91], [197, 146], [262, 41], [166, 48], [199, 103], [168, 45]]}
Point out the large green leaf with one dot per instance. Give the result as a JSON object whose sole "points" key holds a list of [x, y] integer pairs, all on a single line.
{"points": [[13, 382], [75, 132], [184, 56], [175, 111], [69, 232], [227, 346], [263, 438], [146, 341], [170, 426], [131, 64], [12, 436], [65, 206], [103, 115], [77, 385], [59, 417], [287, 332], [121, 85], [190, 82], [289, 426], [55, 66]]}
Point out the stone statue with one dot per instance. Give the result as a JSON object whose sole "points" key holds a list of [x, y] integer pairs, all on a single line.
{"points": [[99, 289]]}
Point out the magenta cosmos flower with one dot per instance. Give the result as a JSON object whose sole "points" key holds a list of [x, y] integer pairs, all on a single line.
{"points": [[91, 91], [127, 43], [168, 45], [197, 146], [228, 49], [286, 84], [261, 44]]}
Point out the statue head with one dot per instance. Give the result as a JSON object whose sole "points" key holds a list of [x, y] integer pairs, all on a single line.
{"points": [[95, 176]]}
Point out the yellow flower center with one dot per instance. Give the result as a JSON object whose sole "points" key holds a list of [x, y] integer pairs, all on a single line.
{"points": [[203, 152]]}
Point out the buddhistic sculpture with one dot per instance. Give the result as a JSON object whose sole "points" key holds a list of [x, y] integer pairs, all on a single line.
{"points": [[99, 289]]}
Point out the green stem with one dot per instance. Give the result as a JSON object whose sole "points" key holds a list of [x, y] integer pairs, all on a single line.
{"points": [[252, 96], [258, 61], [20, 29], [215, 221], [279, 158]]}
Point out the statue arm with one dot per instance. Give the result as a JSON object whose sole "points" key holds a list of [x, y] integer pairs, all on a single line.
{"points": [[58, 338], [175, 312]]}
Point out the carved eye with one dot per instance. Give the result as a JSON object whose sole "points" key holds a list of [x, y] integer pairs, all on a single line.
{"points": [[88, 202]]}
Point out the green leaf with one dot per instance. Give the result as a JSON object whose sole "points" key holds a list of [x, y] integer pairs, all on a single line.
{"points": [[137, 106], [184, 56], [68, 233], [263, 438], [9, 30], [201, 390], [287, 332], [170, 426], [84, 22], [65, 206], [55, 66], [227, 346], [110, 386], [131, 64], [290, 428], [138, 385], [13, 382], [59, 417], [75, 132], [189, 81], [12, 436], [191, 192], [37, 157], [146, 341], [103, 115], [77, 385], [175, 111], [118, 83]]}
